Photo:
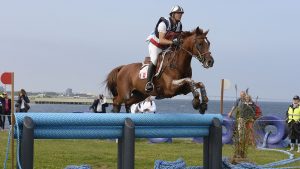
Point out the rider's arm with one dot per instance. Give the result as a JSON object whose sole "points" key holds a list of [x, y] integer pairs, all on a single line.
{"points": [[162, 30], [163, 40]]}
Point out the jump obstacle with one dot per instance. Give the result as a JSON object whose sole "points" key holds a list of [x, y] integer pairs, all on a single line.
{"points": [[122, 126]]}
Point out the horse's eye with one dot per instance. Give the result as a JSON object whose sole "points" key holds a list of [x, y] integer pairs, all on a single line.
{"points": [[198, 46]]}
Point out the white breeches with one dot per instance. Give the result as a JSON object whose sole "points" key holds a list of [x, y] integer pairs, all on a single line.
{"points": [[153, 52]]}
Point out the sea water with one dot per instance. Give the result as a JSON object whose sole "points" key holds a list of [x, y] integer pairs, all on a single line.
{"points": [[170, 106]]}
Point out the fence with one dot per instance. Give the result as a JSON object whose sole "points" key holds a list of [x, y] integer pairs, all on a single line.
{"points": [[122, 126]]}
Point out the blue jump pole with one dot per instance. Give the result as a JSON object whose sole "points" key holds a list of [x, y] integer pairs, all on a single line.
{"points": [[124, 127]]}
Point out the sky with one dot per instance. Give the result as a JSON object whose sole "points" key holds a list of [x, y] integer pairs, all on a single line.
{"points": [[59, 44]]}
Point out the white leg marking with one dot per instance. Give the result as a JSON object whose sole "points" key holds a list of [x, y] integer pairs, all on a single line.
{"points": [[181, 81]]}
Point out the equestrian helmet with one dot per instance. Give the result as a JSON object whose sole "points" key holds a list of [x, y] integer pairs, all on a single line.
{"points": [[176, 9]]}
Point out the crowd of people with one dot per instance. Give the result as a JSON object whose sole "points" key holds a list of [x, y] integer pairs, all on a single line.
{"points": [[245, 112], [22, 105]]}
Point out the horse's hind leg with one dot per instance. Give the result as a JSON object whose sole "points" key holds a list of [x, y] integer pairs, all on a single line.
{"points": [[132, 100], [117, 103]]}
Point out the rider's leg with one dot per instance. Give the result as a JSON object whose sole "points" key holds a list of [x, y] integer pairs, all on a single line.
{"points": [[151, 70], [153, 52]]}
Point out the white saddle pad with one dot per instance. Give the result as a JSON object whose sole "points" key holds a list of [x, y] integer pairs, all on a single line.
{"points": [[143, 72]]}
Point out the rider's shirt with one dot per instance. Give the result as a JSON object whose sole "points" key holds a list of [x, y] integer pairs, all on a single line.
{"points": [[164, 26]]}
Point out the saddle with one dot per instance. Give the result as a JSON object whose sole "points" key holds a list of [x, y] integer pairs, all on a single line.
{"points": [[161, 64]]}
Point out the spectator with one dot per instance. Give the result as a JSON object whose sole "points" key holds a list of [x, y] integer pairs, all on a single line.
{"points": [[247, 108], [247, 115], [99, 105], [136, 108], [146, 106], [6, 109], [22, 104], [1, 113], [258, 111], [293, 120], [244, 112], [237, 103]]}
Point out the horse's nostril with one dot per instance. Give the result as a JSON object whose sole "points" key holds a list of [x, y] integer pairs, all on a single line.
{"points": [[211, 63]]}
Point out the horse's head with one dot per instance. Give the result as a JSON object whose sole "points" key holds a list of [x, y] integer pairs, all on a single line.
{"points": [[196, 44]]}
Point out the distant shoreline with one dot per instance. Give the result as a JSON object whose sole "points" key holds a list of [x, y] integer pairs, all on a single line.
{"points": [[89, 101], [64, 100]]}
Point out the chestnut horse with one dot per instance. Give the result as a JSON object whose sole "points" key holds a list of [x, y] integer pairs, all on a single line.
{"points": [[124, 83]]}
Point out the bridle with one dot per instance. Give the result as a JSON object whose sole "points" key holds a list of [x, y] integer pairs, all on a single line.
{"points": [[201, 56]]}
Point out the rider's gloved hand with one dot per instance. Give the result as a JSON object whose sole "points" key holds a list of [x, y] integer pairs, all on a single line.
{"points": [[175, 42]]}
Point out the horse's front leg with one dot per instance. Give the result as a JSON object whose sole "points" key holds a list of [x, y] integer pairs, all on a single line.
{"points": [[192, 88], [200, 85], [204, 98]]}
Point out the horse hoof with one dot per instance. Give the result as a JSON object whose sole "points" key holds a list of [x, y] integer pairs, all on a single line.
{"points": [[196, 104], [203, 108], [115, 110]]}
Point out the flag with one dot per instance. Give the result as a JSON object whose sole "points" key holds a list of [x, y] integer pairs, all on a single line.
{"points": [[6, 78]]}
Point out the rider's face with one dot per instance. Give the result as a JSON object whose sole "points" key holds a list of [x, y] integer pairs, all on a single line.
{"points": [[177, 16]]}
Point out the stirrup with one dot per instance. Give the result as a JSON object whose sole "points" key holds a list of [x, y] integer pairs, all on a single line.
{"points": [[149, 87]]}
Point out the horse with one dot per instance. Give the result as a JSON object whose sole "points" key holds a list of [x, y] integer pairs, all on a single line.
{"points": [[124, 84]]}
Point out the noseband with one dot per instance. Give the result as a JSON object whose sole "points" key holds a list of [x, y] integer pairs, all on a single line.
{"points": [[201, 56]]}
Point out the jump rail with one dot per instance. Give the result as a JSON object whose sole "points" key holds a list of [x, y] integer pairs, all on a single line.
{"points": [[122, 126]]}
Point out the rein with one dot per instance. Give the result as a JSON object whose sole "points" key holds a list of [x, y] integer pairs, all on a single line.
{"points": [[200, 56]]}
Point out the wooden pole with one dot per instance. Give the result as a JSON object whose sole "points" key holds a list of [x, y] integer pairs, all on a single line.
{"points": [[12, 117], [222, 95]]}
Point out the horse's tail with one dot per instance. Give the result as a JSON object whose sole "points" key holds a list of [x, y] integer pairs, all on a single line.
{"points": [[111, 81]]}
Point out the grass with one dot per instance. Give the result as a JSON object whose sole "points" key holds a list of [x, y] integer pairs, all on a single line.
{"points": [[102, 154]]}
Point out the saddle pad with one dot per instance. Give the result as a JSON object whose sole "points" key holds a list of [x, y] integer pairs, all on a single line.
{"points": [[143, 72]]}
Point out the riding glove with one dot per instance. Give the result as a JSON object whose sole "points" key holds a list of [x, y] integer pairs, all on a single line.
{"points": [[175, 42]]}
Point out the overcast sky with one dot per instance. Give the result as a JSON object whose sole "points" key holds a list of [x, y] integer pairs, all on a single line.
{"points": [[55, 45]]}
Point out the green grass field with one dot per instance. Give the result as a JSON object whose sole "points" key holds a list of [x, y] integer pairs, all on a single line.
{"points": [[102, 154]]}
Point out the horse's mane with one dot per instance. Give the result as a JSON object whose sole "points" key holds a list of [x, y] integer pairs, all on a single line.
{"points": [[186, 34]]}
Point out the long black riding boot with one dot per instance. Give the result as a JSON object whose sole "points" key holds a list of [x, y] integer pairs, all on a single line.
{"points": [[151, 70]]}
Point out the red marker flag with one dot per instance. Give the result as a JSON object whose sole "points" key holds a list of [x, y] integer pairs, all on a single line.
{"points": [[6, 78]]}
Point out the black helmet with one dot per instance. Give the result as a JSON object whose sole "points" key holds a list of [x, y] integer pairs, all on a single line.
{"points": [[296, 97]]}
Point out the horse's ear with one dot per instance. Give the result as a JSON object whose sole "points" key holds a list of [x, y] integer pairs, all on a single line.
{"points": [[198, 31], [206, 32]]}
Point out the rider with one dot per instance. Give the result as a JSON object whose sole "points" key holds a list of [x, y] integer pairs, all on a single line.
{"points": [[162, 37]]}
